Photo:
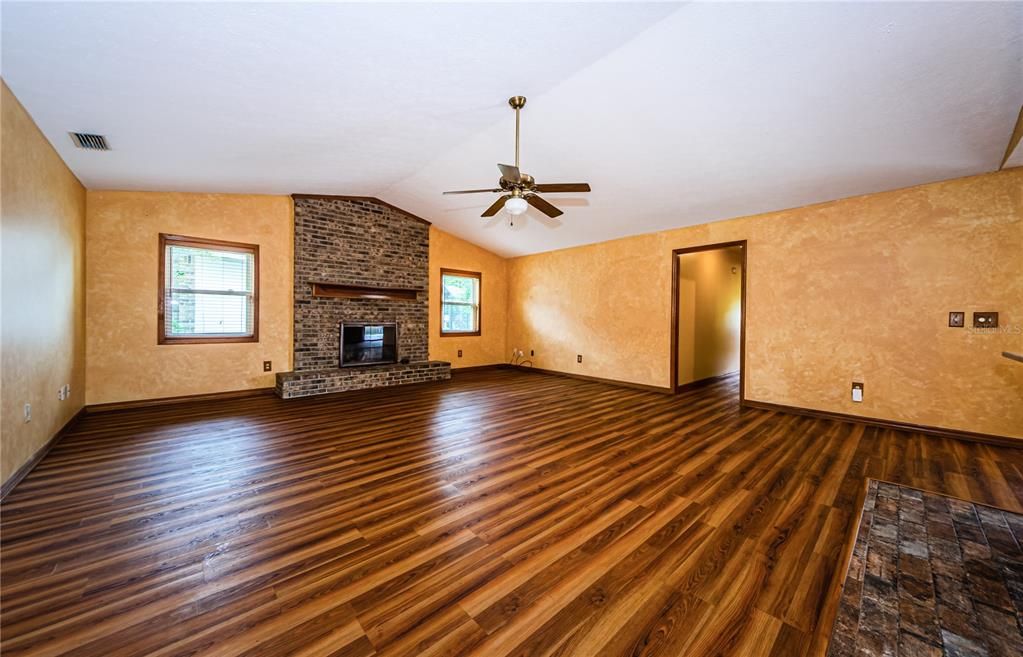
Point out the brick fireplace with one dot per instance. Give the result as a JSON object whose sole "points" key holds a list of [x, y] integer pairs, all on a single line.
{"points": [[358, 260]]}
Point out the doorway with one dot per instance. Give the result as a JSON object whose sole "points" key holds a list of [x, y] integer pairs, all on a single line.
{"points": [[708, 315]]}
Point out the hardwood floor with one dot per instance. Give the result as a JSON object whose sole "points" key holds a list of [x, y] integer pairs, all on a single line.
{"points": [[502, 513]]}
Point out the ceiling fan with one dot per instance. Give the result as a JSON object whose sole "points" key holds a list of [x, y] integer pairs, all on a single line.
{"points": [[520, 189]]}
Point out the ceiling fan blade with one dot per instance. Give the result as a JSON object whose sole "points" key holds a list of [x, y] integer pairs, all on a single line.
{"points": [[563, 187], [543, 206], [496, 207], [510, 173], [473, 191]]}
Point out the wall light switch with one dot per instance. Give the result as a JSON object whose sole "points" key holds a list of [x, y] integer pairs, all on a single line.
{"points": [[857, 391], [957, 319], [28, 412]]}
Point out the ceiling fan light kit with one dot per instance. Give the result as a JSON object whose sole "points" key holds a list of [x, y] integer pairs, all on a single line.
{"points": [[520, 189], [515, 206]]}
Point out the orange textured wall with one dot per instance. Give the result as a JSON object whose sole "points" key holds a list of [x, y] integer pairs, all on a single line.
{"points": [[42, 231], [124, 362], [450, 252], [852, 289]]}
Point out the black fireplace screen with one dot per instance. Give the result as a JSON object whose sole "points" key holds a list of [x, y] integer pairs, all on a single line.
{"points": [[368, 344]]}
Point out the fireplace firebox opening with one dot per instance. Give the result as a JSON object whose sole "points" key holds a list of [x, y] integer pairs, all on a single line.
{"points": [[368, 343]]}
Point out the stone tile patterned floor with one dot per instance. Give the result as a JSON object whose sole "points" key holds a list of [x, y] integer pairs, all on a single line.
{"points": [[931, 576]]}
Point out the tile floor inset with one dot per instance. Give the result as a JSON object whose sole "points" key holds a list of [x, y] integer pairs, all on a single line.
{"points": [[931, 576]]}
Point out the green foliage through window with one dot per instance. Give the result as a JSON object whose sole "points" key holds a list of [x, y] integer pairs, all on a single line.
{"points": [[460, 303]]}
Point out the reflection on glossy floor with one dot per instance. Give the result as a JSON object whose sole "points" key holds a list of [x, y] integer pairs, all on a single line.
{"points": [[501, 513]]}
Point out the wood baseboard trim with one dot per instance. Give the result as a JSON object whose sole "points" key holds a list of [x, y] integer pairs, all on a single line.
{"points": [[183, 399], [710, 380], [34, 460], [594, 379], [480, 368], [940, 432]]}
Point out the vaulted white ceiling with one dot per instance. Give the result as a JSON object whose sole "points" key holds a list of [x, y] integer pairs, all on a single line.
{"points": [[675, 113]]}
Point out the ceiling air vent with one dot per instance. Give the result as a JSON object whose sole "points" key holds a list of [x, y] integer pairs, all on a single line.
{"points": [[90, 142]]}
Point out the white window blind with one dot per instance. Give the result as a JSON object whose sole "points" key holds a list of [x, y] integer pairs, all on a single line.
{"points": [[460, 303], [208, 292]]}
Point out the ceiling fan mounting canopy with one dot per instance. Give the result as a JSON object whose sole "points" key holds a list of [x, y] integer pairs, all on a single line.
{"points": [[519, 186]]}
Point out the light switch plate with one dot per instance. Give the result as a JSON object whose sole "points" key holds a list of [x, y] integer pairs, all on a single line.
{"points": [[985, 320], [857, 392], [957, 319]]}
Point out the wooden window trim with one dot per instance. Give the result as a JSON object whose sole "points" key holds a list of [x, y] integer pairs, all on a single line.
{"points": [[202, 243], [479, 305]]}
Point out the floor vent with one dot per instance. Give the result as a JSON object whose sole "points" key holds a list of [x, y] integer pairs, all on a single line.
{"points": [[90, 142]]}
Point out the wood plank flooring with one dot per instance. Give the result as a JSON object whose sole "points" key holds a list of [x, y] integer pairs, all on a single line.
{"points": [[499, 514]]}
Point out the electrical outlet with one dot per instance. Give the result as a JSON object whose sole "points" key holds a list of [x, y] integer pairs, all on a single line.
{"points": [[28, 412], [857, 392], [60, 393], [459, 353], [579, 358], [268, 366]]}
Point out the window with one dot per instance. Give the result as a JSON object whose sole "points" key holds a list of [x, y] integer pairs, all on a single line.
{"points": [[460, 302], [209, 291]]}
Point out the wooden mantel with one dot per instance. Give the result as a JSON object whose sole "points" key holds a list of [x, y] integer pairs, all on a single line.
{"points": [[340, 291]]}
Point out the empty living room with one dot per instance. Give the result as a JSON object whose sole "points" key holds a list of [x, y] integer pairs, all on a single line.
{"points": [[566, 329]]}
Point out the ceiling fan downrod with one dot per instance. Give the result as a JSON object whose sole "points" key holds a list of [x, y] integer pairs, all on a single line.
{"points": [[517, 103]]}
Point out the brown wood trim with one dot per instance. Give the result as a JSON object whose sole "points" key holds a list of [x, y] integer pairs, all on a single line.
{"points": [[364, 199], [1013, 356], [34, 460], [479, 307], [986, 438], [340, 291], [161, 317], [181, 399], [481, 368], [673, 368], [700, 383], [1014, 139], [594, 379]]}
